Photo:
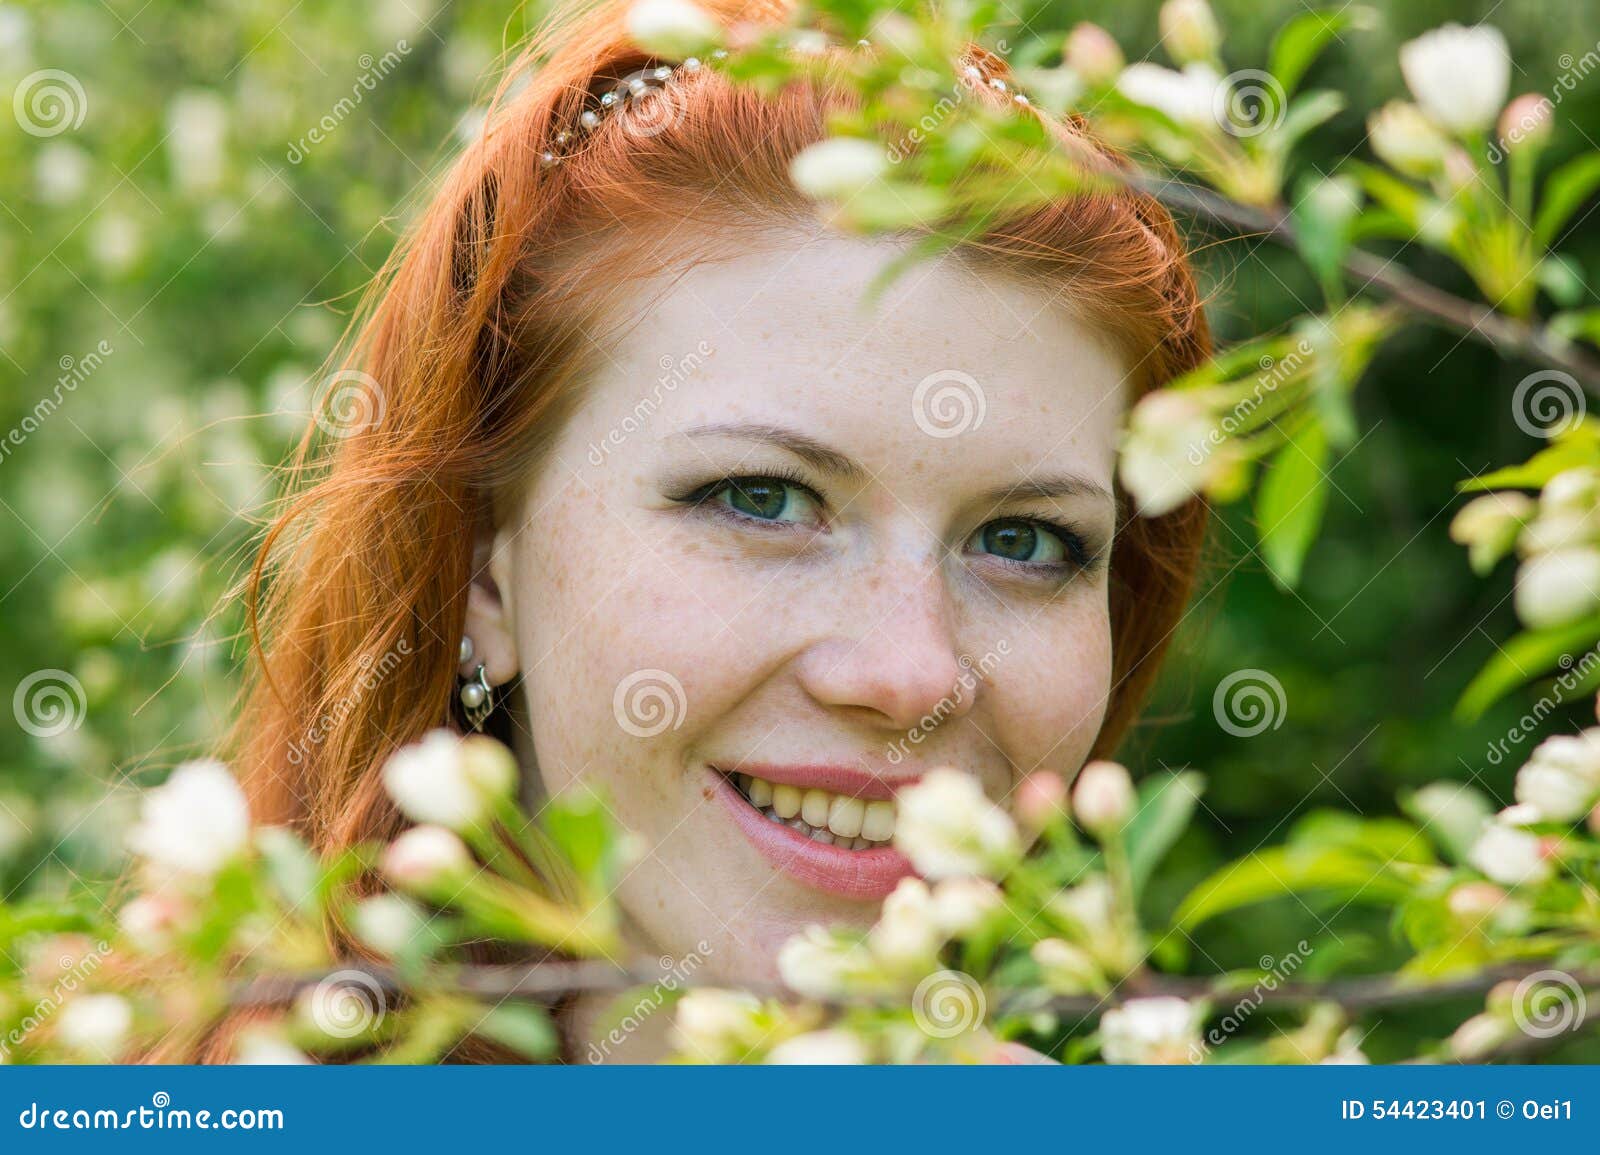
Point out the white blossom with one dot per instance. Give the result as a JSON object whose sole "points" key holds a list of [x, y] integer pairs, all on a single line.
{"points": [[1509, 856], [1406, 139], [96, 1026], [1168, 453], [1189, 30], [259, 1047], [194, 822], [388, 923], [826, 1048], [838, 168], [1154, 1030], [907, 935], [1558, 587], [717, 1026], [448, 782], [818, 964], [426, 856], [1188, 97], [961, 904], [947, 827], [673, 28], [1562, 778], [1459, 75]]}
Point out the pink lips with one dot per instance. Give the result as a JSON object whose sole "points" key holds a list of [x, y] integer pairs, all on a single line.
{"points": [[858, 874]]}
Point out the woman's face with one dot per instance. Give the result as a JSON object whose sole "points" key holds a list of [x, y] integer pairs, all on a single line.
{"points": [[827, 544]]}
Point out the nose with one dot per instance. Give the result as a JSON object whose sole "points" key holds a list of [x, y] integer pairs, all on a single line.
{"points": [[896, 658]]}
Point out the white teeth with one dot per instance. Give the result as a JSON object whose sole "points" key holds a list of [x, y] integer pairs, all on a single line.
{"points": [[786, 800], [878, 821], [832, 819], [845, 815]]}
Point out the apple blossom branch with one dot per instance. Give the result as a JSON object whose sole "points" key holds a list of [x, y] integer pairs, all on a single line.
{"points": [[1470, 318]]}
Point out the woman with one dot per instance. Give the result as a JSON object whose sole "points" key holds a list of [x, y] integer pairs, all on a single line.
{"points": [[636, 480]]}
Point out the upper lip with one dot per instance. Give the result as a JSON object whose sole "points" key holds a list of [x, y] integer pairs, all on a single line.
{"points": [[850, 780]]}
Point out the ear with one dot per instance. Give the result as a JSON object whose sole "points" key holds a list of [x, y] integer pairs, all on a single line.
{"points": [[491, 622]]}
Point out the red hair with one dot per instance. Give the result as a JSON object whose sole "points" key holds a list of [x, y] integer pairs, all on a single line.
{"points": [[472, 341]]}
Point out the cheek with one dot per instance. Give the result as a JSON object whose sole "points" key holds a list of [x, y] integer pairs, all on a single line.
{"points": [[1049, 694], [628, 657]]}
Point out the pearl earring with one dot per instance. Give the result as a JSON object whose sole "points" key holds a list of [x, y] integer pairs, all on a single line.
{"points": [[477, 696]]}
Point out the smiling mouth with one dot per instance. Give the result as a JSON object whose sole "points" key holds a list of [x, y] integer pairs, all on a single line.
{"points": [[836, 820]]}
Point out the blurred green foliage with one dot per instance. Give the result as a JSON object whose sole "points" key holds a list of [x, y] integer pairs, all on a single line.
{"points": [[191, 224]]}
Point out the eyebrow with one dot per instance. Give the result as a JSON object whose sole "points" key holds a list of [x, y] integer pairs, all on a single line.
{"points": [[824, 457]]}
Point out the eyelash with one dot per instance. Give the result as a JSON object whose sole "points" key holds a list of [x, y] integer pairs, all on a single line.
{"points": [[1083, 558]]}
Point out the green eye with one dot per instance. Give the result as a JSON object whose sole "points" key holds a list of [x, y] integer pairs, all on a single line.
{"points": [[767, 499], [1030, 542]]}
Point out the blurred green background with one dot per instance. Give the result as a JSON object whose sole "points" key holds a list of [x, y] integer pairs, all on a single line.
{"points": [[188, 224]]}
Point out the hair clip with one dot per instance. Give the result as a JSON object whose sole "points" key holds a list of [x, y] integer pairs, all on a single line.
{"points": [[630, 88]]}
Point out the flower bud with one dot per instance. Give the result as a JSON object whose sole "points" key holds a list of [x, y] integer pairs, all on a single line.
{"points": [[1474, 901], [1526, 122], [838, 168], [961, 904], [1153, 1030], [1478, 1036], [1103, 797], [1093, 54], [1041, 799], [1510, 856], [1066, 969], [1406, 140], [673, 28], [96, 1026], [149, 920], [1488, 526], [1558, 587], [445, 781], [1189, 31], [388, 923], [426, 857]]}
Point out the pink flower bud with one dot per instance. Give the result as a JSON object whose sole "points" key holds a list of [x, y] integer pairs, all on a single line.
{"points": [[1103, 797], [424, 857], [1041, 800], [1471, 901], [1526, 122], [1093, 54]]}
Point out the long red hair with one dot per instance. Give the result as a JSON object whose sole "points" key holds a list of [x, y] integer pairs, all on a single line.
{"points": [[470, 349]]}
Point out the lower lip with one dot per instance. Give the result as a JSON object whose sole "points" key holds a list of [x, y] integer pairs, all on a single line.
{"points": [[860, 874]]}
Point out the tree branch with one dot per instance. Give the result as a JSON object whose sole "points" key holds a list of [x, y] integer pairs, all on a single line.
{"points": [[1469, 318]]}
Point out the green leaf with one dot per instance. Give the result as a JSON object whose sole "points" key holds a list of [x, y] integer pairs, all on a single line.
{"points": [[1290, 502], [1279, 871], [1299, 42], [581, 830], [1583, 325], [1576, 445], [1562, 278], [520, 1027], [1564, 193], [1386, 839], [1310, 111], [1522, 659], [1166, 803]]}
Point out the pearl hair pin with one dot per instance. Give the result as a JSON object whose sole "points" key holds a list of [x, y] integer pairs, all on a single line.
{"points": [[631, 88]]}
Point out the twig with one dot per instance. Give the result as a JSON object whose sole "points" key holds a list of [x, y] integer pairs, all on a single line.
{"points": [[1470, 318]]}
